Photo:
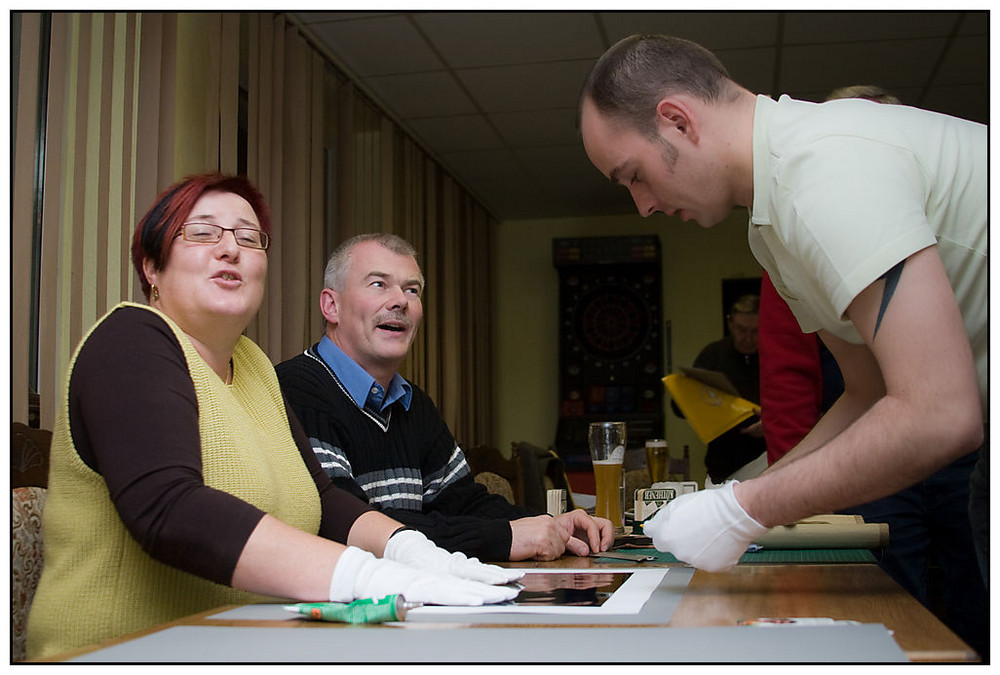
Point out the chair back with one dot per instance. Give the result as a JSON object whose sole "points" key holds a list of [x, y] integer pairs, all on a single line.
{"points": [[541, 470], [495, 484], [26, 560], [29, 455]]}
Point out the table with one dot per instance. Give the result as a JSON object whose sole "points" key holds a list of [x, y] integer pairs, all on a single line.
{"points": [[858, 592]]}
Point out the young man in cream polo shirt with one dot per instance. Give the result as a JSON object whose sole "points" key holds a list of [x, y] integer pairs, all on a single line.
{"points": [[870, 220]]}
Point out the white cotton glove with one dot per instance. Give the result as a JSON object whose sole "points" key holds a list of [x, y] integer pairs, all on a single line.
{"points": [[411, 547], [359, 574], [708, 529]]}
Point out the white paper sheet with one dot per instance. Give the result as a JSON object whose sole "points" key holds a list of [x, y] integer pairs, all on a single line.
{"points": [[627, 599]]}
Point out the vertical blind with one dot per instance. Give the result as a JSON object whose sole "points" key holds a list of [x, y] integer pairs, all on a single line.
{"points": [[136, 101]]}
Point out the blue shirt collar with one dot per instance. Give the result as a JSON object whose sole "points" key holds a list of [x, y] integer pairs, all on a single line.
{"points": [[360, 384]]}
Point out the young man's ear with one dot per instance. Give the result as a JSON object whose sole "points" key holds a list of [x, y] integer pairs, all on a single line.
{"points": [[675, 116], [328, 305]]}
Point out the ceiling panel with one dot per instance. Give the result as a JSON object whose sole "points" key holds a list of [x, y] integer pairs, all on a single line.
{"points": [[904, 63], [492, 95], [536, 86], [457, 133], [714, 30], [433, 94], [380, 45], [474, 39]]}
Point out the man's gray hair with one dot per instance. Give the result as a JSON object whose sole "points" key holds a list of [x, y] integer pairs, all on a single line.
{"points": [[870, 92], [746, 304], [340, 259], [631, 78]]}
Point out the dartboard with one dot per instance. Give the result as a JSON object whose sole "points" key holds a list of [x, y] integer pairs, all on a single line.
{"points": [[611, 340], [611, 322]]}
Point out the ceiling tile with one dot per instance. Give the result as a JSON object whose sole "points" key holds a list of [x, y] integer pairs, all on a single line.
{"points": [[537, 127], [568, 160], [473, 39], [823, 27], [421, 94], [486, 165], [714, 30], [752, 68], [451, 134], [955, 65], [378, 45], [513, 199], [975, 23], [887, 64], [536, 87]]}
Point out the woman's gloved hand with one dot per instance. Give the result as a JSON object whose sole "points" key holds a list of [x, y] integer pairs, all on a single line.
{"points": [[412, 548], [359, 574]]}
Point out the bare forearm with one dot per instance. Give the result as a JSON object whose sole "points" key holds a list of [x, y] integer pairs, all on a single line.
{"points": [[845, 412], [371, 531], [890, 447], [282, 561]]}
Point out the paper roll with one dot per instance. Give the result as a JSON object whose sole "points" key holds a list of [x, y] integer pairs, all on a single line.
{"points": [[827, 532]]}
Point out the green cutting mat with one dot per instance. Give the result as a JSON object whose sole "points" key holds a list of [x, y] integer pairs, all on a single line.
{"points": [[797, 555]]}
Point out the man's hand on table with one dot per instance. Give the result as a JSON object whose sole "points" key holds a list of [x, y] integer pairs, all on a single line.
{"points": [[548, 538], [708, 529], [585, 533]]}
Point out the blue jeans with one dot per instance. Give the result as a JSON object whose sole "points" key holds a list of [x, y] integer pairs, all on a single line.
{"points": [[979, 509], [929, 526]]}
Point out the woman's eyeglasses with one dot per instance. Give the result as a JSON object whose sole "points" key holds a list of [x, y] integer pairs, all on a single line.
{"points": [[210, 233]]}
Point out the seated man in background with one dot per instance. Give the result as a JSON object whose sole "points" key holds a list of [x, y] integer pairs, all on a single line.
{"points": [[739, 453], [381, 438]]}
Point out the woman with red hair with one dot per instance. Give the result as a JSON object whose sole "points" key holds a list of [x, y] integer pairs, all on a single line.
{"points": [[179, 480]]}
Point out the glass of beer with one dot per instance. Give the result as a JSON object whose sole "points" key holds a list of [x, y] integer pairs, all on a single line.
{"points": [[657, 459], [607, 452]]}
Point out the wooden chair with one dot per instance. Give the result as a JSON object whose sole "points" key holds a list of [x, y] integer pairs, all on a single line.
{"points": [[489, 467], [540, 470], [495, 484], [26, 560], [29, 456]]}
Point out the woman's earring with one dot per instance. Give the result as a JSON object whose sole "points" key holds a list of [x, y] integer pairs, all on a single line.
{"points": [[154, 293]]}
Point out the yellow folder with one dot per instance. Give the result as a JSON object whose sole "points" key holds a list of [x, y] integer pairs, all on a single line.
{"points": [[710, 410]]}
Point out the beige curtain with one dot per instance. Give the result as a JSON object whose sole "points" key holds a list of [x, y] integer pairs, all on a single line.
{"points": [[96, 128], [136, 101]]}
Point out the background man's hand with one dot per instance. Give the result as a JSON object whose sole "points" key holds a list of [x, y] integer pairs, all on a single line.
{"points": [[537, 537], [547, 538], [585, 534]]}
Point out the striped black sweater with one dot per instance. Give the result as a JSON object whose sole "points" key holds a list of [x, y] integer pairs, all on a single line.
{"points": [[403, 462]]}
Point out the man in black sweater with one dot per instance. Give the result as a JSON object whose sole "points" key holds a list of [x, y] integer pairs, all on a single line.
{"points": [[380, 436]]}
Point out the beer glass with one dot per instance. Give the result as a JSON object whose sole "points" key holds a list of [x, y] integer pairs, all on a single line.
{"points": [[607, 452], [657, 459]]}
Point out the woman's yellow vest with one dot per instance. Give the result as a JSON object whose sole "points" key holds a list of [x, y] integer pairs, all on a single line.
{"points": [[97, 583]]}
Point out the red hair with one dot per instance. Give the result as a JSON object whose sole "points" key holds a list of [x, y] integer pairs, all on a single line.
{"points": [[155, 233]]}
